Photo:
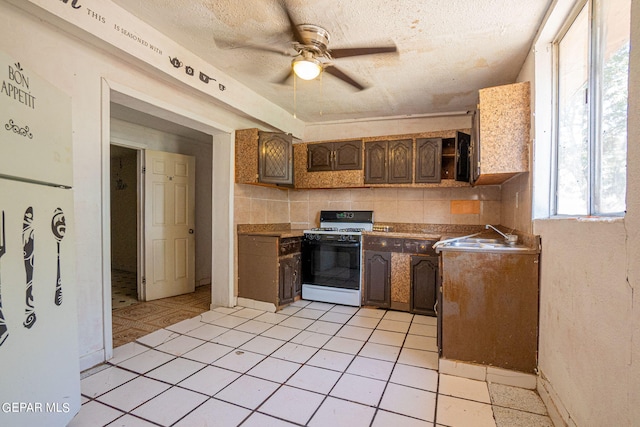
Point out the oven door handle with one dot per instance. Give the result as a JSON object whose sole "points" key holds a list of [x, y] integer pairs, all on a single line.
{"points": [[332, 243]]}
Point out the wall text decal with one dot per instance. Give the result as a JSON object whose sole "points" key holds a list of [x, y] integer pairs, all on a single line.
{"points": [[135, 37], [74, 3]]}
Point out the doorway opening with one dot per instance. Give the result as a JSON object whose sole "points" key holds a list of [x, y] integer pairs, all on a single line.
{"points": [[154, 166], [124, 186], [141, 122]]}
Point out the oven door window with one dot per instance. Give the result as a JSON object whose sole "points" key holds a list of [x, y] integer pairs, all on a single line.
{"points": [[333, 264]]}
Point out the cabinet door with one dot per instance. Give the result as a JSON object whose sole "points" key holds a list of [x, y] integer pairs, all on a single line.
{"points": [[319, 157], [424, 281], [428, 160], [377, 279], [347, 155], [463, 165], [400, 162], [275, 158], [258, 267], [474, 151], [375, 162], [288, 277], [297, 272]]}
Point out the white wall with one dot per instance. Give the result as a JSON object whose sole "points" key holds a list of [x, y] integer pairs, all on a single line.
{"points": [[516, 194], [79, 68], [326, 131], [589, 321]]}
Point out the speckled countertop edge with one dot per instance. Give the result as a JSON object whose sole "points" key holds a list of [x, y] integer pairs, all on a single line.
{"points": [[397, 230]]}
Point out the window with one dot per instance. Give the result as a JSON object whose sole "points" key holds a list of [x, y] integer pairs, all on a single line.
{"points": [[592, 66]]}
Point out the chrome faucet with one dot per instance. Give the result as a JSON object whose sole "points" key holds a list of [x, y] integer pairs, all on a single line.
{"points": [[511, 238], [498, 231]]}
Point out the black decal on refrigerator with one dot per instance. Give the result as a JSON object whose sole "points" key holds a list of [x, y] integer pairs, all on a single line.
{"points": [[17, 129], [4, 332], [27, 252], [58, 228]]}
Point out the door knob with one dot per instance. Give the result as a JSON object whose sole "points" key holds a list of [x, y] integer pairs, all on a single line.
{"points": [[191, 231]]}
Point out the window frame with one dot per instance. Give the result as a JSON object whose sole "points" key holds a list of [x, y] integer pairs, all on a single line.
{"points": [[594, 106]]}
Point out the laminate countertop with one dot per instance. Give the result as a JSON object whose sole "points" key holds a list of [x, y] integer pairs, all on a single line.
{"points": [[403, 235], [283, 234]]}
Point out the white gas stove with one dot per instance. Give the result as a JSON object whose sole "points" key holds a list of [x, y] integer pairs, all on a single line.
{"points": [[331, 254]]}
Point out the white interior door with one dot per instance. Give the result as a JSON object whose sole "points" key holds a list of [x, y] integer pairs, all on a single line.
{"points": [[169, 225]]}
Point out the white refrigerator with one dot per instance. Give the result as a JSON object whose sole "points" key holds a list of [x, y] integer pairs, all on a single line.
{"points": [[39, 361]]}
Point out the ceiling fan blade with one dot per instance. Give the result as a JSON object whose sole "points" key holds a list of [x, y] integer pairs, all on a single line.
{"points": [[284, 78], [336, 72], [297, 36], [358, 51], [227, 45]]}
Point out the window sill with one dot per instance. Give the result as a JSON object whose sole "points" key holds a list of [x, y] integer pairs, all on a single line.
{"points": [[589, 219]]}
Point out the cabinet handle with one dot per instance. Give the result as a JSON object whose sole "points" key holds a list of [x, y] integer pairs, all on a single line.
{"points": [[435, 307]]}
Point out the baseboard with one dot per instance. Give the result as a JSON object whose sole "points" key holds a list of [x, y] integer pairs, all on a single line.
{"points": [[257, 305], [92, 359], [556, 409], [487, 373], [203, 282]]}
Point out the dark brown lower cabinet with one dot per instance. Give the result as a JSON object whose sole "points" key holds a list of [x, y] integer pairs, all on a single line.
{"points": [[289, 280], [269, 268], [298, 282], [377, 278], [490, 309], [424, 284]]}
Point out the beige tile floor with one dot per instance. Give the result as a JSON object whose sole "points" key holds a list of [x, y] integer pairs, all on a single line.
{"points": [[311, 364]]}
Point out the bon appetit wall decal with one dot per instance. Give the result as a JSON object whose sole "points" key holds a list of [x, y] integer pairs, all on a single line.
{"points": [[16, 87]]}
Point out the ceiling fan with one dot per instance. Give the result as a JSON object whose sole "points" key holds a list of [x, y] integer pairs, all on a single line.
{"points": [[311, 44]]}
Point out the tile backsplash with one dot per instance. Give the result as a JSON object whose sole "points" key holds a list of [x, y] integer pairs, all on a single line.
{"points": [[301, 208]]}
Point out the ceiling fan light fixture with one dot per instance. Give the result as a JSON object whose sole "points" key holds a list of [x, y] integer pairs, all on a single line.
{"points": [[307, 68]]}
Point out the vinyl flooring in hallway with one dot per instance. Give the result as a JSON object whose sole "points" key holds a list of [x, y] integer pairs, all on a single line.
{"points": [[311, 364], [133, 319]]}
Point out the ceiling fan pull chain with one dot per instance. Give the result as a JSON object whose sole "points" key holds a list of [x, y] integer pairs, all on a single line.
{"points": [[321, 94], [295, 85]]}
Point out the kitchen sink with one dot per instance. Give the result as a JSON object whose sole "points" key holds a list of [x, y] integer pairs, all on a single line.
{"points": [[481, 240], [483, 245]]}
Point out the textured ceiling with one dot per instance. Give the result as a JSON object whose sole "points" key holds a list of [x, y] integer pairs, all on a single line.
{"points": [[447, 49]]}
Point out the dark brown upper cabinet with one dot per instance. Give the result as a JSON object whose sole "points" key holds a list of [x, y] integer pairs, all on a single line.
{"points": [[275, 158], [428, 160], [375, 162], [463, 162], [401, 161], [388, 162], [334, 156], [455, 157]]}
